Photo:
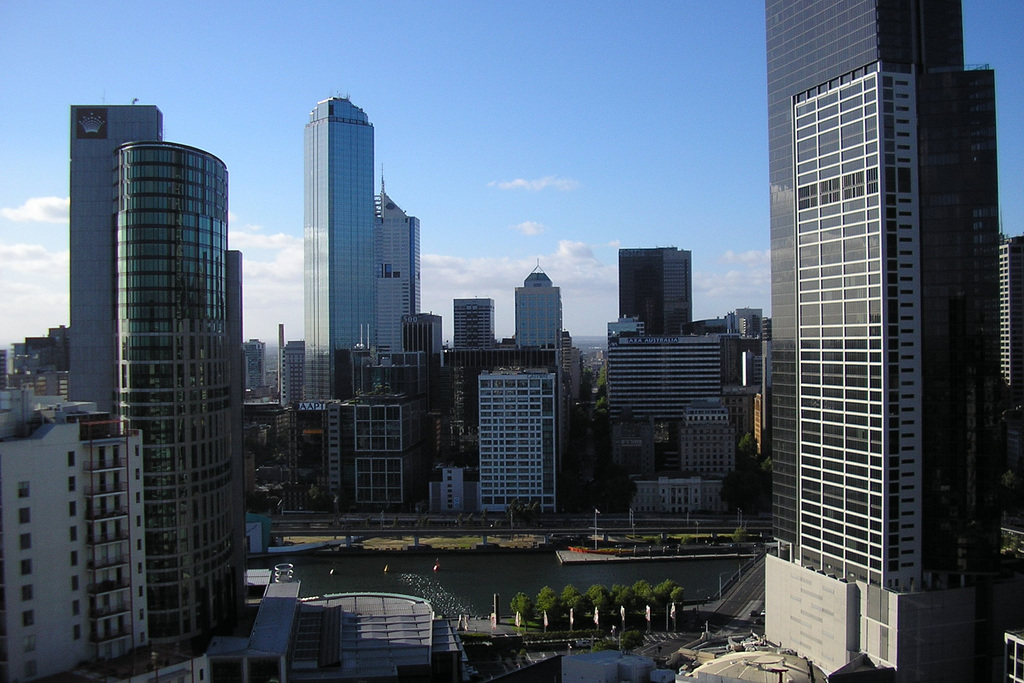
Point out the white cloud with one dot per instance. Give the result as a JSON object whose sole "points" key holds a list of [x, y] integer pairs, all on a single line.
{"points": [[39, 210], [751, 258], [271, 282], [529, 228], [35, 286], [561, 184], [748, 283], [589, 287]]}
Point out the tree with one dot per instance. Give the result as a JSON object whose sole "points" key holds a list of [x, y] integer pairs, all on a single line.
{"points": [[677, 595], [318, 499], [631, 640], [625, 597], [643, 592], [747, 447], [599, 597], [663, 592], [571, 598], [739, 535], [548, 601], [522, 604]]}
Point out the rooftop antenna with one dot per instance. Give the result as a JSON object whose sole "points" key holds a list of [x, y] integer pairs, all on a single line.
{"points": [[135, 100], [382, 178]]}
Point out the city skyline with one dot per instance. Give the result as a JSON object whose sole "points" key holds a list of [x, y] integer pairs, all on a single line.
{"points": [[510, 144]]}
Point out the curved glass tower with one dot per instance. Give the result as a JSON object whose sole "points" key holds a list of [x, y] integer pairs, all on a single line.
{"points": [[175, 324], [338, 250]]}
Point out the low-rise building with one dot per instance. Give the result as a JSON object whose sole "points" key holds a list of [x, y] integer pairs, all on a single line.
{"points": [[72, 549], [678, 495]]}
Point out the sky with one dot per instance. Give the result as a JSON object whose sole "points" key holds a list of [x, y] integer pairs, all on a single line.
{"points": [[520, 133]]}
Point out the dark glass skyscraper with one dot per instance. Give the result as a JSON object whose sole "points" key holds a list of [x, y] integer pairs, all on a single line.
{"points": [[338, 252], [156, 338], [655, 286], [885, 334]]}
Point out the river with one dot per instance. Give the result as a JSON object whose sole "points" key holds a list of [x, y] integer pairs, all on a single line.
{"points": [[465, 581]]}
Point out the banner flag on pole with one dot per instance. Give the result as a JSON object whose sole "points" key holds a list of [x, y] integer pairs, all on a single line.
{"points": [[494, 620], [647, 613], [545, 618], [597, 618], [622, 612], [518, 620], [570, 618]]}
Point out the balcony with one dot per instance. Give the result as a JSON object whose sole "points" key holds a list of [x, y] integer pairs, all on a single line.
{"points": [[105, 513], [106, 587], [112, 634], [114, 537], [109, 610], [105, 464], [107, 562], [103, 489]]}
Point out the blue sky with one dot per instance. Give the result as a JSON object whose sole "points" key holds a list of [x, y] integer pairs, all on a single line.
{"points": [[517, 132]]}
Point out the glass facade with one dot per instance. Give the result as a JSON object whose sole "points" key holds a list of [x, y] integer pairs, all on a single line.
{"points": [[397, 269], [338, 249], [654, 286], [175, 363], [884, 289]]}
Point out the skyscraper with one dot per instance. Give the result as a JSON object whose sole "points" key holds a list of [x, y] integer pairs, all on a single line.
{"points": [[538, 312], [172, 336], [95, 133], [654, 286], [885, 335], [255, 363], [396, 242], [1011, 305], [473, 323], [338, 251]]}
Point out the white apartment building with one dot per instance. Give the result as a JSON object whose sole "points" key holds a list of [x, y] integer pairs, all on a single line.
{"points": [[518, 444], [73, 571]]}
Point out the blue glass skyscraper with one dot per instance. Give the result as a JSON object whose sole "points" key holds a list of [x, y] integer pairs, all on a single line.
{"points": [[339, 216]]}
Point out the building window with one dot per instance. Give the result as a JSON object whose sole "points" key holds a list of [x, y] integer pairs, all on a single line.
{"points": [[72, 508], [71, 458], [74, 558], [24, 516], [71, 483], [76, 632], [26, 567], [28, 617], [22, 489], [26, 592], [25, 541], [29, 643], [73, 533], [76, 608], [74, 582]]}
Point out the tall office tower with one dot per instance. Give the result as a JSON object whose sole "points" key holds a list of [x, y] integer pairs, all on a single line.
{"points": [[396, 244], [748, 321], [654, 286], [173, 337], [293, 372], [338, 251], [1011, 316], [72, 545], [884, 233], [538, 312], [518, 444], [474, 324], [95, 133], [255, 352]]}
